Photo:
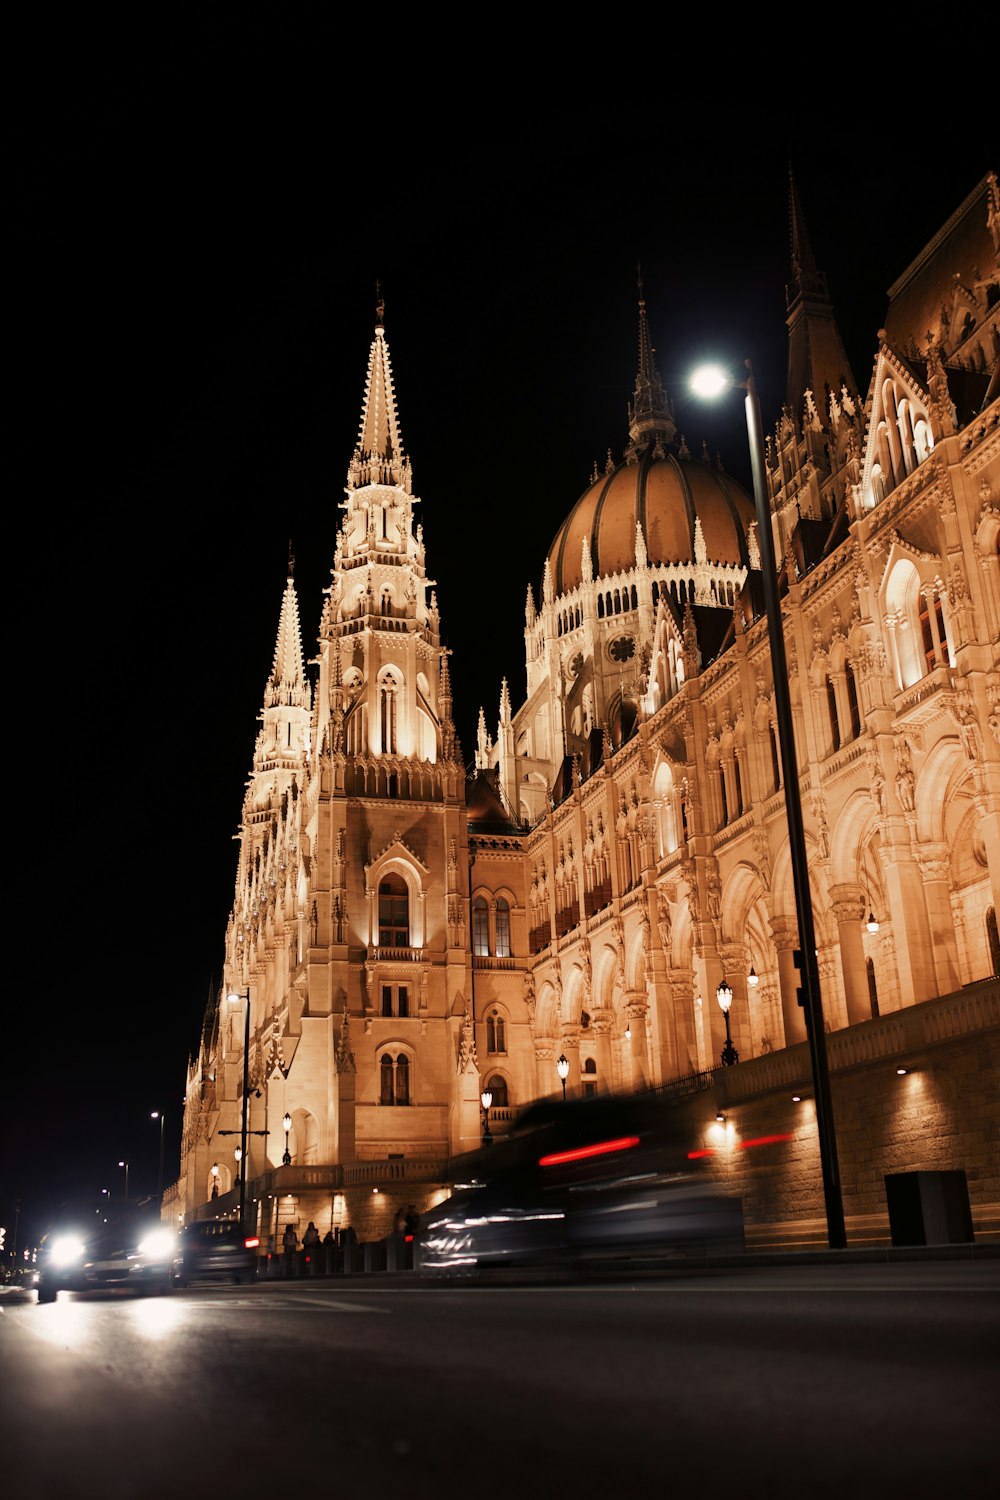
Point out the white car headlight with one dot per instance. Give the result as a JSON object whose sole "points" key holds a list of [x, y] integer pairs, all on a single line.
{"points": [[158, 1245], [66, 1250]]}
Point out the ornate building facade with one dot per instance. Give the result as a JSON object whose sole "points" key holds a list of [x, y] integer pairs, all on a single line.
{"points": [[407, 933]]}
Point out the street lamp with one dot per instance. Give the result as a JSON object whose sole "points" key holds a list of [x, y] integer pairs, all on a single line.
{"points": [[125, 1165], [562, 1068], [710, 383], [215, 1179], [157, 1114], [487, 1099], [724, 995], [238, 1153], [235, 997], [287, 1123]]}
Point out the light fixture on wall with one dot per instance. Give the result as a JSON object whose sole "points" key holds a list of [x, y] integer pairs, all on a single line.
{"points": [[628, 1031], [752, 980], [287, 1125], [901, 1072], [872, 923], [724, 995], [720, 1117]]}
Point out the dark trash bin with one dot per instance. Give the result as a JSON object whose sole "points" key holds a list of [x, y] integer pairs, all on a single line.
{"points": [[929, 1208]]}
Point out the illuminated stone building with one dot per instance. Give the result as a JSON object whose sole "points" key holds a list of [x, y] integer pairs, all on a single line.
{"points": [[411, 932]]}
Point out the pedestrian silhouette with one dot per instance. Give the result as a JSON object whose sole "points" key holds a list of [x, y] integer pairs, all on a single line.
{"points": [[290, 1243]]}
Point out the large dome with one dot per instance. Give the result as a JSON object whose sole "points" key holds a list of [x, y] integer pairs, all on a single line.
{"points": [[665, 491]]}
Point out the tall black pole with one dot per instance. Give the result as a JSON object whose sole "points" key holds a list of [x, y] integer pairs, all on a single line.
{"points": [[243, 1120], [160, 1188], [836, 1232]]}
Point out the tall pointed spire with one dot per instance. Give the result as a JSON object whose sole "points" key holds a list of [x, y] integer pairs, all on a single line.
{"points": [[287, 684], [650, 414], [378, 457], [816, 358]]}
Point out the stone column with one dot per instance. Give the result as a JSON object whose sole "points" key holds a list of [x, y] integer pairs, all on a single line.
{"points": [[848, 906], [545, 1070], [683, 1021], [638, 1054], [934, 867], [915, 969], [602, 1025], [785, 932]]}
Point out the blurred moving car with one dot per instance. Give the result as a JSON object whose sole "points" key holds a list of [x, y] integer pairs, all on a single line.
{"points": [[589, 1182], [125, 1247], [213, 1249]]}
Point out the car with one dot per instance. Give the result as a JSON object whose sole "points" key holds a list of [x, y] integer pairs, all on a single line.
{"points": [[215, 1249], [577, 1186], [121, 1248]]}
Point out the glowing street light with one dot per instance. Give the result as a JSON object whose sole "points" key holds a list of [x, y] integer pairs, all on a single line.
{"points": [[125, 1165], [157, 1114], [724, 995], [287, 1125], [486, 1099], [562, 1068]]}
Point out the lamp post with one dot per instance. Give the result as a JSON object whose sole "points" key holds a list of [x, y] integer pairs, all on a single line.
{"points": [[708, 383], [487, 1099], [125, 1165], [724, 995], [562, 1068], [238, 1153], [287, 1124], [241, 1178], [157, 1114], [215, 1179]]}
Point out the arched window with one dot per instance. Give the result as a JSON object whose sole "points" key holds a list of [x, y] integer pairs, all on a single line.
{"points": [[872, 988], [480, 927], [496, 1032], [503, 928], [993, 940], [831, 702], [589, 1076], [393, 913], [498, 1088], [387, 1090], [387, 714], [852, 700]]}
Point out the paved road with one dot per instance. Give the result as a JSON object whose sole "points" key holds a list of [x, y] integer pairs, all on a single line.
{"points": [[852, 1380]]}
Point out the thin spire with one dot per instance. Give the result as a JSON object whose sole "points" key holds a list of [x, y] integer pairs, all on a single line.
{"points": [[378, 457], [817, 361], [287, 684], [650, 414]]}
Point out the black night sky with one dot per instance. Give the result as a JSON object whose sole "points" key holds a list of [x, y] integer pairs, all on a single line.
{"points": [[201, 210]]}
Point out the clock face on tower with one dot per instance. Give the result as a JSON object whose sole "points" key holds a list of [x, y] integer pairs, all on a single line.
{"points": [[622, 649]]}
